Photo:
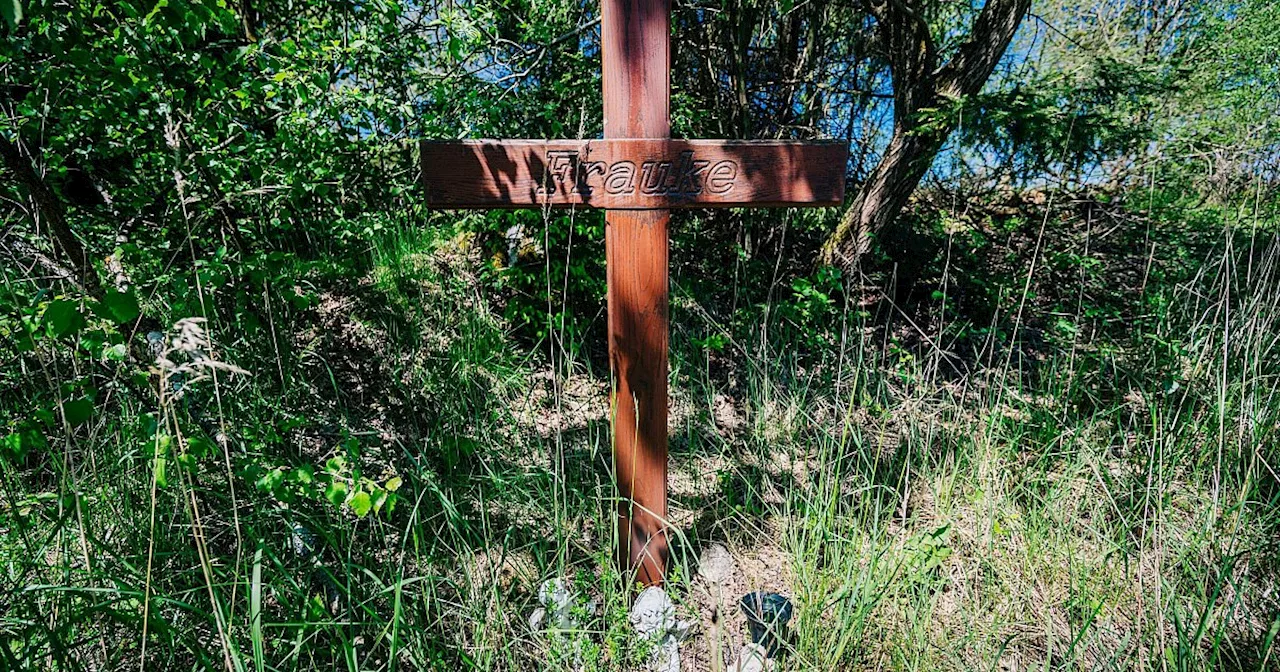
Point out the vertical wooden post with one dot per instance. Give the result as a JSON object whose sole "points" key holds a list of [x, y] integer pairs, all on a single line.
{"points": [[635, 46], [636, 49]]}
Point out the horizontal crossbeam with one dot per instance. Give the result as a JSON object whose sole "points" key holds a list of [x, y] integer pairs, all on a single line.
{"points": [[633, 174]]}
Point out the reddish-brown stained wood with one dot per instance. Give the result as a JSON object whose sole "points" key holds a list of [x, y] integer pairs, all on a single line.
{"points": [[633, 173], [638, 173], [635, 37]]}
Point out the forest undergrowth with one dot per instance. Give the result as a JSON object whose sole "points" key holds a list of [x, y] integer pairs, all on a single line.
{"points": [[1013, 406], [1046, 441]]}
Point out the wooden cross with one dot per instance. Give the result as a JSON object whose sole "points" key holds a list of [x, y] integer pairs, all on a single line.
{"points": [[638, 173]]}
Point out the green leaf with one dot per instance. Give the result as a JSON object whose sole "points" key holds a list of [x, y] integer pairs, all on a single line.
{"points": [[161, 448], [303, 475], [24, 343], [155, 10], [187, 461], [271, 481], [20, 443], [14, 446], [77, 412], [162, 474], [360, 503], [394, 483], [121, 307], [379, 498], [162, 443], [11, 10], [62, 317], [201, 446], [115, 353], [336, 493]]}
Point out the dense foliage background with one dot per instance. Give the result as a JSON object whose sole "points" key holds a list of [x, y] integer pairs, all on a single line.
{"points": [[261, 409]]}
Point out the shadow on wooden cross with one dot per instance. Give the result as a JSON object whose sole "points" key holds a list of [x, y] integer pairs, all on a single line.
{"points": [[637, 173]]}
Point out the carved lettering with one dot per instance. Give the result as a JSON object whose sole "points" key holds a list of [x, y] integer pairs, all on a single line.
{"points": [[685, 177], [621, 179], [688, 175], [721, 177], [561, 166], [654, 177], [585, 171]]}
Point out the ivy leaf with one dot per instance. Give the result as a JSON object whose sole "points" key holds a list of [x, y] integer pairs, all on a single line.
{"points": [[20, 443], [78, 412], [201, 446], [336, 493], [121, 307], [361, 503], [379, 498], [303, 475], [11, 10], [62, 317], [270, 482], [14, 446]]}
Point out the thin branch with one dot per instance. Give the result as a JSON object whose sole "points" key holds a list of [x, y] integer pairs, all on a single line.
{"points": [[50, 212]]}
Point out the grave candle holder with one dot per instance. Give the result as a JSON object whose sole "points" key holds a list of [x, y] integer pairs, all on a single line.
{"points": [[767, 617]]}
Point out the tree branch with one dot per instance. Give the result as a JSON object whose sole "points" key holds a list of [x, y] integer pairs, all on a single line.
{"points": [[50, 212], [993, 30]]}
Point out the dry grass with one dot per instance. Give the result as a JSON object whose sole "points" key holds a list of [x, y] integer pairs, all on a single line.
{"points": [[1115, 508]]}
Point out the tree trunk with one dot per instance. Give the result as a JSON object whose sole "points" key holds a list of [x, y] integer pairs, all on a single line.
{"points": [[50, 213], [918, 86], [882, 196]]}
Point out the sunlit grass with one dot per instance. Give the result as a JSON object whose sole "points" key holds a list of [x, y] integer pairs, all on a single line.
{"points": [[1115, 508]]}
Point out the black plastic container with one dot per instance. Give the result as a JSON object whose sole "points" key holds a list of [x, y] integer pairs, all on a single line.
{"points": [[767, 616]]}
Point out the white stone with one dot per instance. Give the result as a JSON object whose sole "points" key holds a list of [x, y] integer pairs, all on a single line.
{"points": [[716, 565], [753, 658], [653, 613], [558, 616], [654, 617], [557, 606], [537, 618]]}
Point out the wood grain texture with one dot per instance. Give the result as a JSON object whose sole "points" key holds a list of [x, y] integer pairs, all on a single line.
{"points": [[633, 173], [638, 173], [635, 43]]}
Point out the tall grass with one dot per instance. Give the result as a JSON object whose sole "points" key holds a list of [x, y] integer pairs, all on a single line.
{"points": [[1107, 503]]}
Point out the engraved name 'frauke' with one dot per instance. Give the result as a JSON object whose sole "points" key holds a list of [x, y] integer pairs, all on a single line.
{"points": [[686, 176]]}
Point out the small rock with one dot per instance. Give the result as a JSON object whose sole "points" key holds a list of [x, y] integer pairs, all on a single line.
{"points": [[557, 606], [716, 565], [754, 658], [653, 614], [537, 618], [654, 617]]}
